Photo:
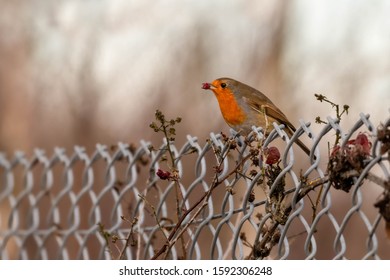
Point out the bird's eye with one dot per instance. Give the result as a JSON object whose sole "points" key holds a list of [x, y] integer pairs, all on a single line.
{"points": [[223, 85]]}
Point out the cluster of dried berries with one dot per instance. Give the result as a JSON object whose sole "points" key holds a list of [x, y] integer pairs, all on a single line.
{"points": [[384, 138], [346, 163], [270, 156], [384, 207], [272, 172], [384, 203]]}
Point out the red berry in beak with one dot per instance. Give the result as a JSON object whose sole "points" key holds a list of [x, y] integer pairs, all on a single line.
{"points": [[205, 86]]}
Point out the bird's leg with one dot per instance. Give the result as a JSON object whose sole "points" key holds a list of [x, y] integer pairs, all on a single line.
{"points": [[266, 120]]}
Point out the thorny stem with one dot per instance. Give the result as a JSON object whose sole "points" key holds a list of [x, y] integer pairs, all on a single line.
{"points": [[271, 231], [204, 198], [173, 167], [129, 236], [168, 137], [180, 234], [106, 236], [154, 214], [178, 194]]}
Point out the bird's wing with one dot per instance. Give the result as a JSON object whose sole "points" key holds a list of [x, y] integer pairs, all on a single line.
{"points": [[279, 116], [269, 111]]}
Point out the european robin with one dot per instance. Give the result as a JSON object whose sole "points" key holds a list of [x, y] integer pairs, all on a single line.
{"points": [[243, 107]]}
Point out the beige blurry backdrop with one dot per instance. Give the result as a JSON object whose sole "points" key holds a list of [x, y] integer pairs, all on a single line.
{"points": [[87, 72], [82, 72]]}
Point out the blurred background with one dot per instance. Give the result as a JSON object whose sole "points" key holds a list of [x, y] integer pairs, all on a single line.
{"points": [[85, 72]]}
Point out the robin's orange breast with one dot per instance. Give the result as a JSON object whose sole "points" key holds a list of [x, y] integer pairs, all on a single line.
{"points": [[230, 109]]}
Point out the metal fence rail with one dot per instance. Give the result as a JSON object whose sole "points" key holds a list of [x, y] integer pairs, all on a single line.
{"points": [[115, 203]]}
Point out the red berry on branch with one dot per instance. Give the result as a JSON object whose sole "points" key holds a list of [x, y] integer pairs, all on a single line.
{"points": [[273, 155], [163, 175]]}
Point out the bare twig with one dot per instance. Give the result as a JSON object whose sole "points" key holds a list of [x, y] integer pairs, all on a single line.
{"points": [[216, 182], [129, 236]]}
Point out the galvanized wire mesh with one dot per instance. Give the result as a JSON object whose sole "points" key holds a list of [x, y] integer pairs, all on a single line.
{"points": [[111, 204]]}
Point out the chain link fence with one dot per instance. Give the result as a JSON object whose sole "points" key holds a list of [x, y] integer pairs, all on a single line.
{"points": [[222, 199]]}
